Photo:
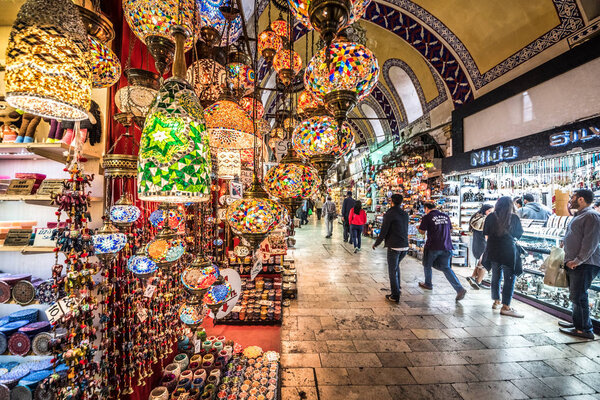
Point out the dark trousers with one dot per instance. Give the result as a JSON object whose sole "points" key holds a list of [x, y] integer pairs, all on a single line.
{"points": [[304, 219], [394, 258], [319, 213], [346, 229], [580, 280], [356, 235]]}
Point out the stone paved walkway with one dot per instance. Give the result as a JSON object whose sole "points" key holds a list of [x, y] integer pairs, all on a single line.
{"points": [[342, 340]]}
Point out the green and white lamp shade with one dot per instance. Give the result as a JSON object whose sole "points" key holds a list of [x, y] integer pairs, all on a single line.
{"points": [[174, 162]]}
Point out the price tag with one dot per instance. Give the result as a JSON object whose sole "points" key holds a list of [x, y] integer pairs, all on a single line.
{"points": [[257, 260], [54, 313], [198, 346], [149, 291], [67, 304], [142, 314]]}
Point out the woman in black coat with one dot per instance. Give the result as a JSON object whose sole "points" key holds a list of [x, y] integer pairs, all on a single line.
{"points": [[478, 243], [502, 228]]}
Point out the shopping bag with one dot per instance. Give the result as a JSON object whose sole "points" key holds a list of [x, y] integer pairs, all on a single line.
{"points": [[555, 274]]}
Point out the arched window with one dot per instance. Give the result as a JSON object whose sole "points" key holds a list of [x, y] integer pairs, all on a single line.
{"points": [[375, 123], [407, 92]]}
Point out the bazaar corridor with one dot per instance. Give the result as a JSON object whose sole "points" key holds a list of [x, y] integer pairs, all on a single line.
{"points": [[342, 340]]}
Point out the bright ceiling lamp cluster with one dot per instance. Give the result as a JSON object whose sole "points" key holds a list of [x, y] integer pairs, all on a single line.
{"points": [[216, 27], [47, 67]]}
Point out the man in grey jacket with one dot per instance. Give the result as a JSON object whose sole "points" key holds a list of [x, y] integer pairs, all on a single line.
{"points": [[533, 210], [582, 260]]}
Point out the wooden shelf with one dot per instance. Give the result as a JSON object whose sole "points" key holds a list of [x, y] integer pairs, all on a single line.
{"points": [[35, 199], [32, 151], [27, 249]]}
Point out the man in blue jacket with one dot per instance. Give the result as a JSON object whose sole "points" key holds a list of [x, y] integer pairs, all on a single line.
{"points": [[533, 210], [347, 205]]}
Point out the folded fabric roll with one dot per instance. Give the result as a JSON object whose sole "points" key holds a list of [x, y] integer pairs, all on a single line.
{"points": [[23, 292], [45, 293], [12, 327], [30, 315], [35, 328]]}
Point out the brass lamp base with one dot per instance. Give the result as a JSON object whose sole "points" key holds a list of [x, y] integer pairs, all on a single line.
{"points": [[340, 103], [162, 50], [210, 35], [328, 17], [119, 166], [292, 204], [286, 76]]}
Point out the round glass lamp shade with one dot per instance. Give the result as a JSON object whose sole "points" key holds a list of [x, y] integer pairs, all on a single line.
{"points": [[308, 102], [141, 265], [197, 280], [254, 216], [171, 218], [174, 160], [135, 99], [252, 105], [320, 135], [157, 17], [217, 294], [48, 72], [229, 164], [269, 43], [289, 60], [240, 78], [106, 67], [124, 214], [292, 180], [192, 314], [300, 10], [207, 78], [352, 67], [280, 27], [165, 250], [229, 126], [109, 242], [210, 16]]}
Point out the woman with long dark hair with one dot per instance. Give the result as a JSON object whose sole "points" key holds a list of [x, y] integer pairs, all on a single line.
{"points": [[357, 219], [478, 243], [502, 228]]}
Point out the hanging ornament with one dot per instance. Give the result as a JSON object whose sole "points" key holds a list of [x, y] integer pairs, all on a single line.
{"points": [[47, 68], [287, 63], [108, 241], [123, 213], [280, 27], [137, 97], [269, 43], [216, 28], [166, 248], [106, 67], [141, 265]]}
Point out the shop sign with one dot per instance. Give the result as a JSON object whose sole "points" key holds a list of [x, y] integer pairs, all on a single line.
{"points": [[493, 156], [565, 138]]}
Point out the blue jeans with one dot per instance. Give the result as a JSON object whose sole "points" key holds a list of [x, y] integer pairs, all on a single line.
{"points": [[580, 280], [356, 235], [508, 288], [394, 258], [440, 260]]}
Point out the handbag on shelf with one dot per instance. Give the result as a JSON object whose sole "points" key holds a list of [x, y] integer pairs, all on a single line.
{"points": [[554, 271]]}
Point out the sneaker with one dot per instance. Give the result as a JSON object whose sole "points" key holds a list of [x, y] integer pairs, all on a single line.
{"points": [[392, 299], [565, 324], [355, 251], [328, 237], [511, 312], [425, 286], [472, 282], [461, 295]]}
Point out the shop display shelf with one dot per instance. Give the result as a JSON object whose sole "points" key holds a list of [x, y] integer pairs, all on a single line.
{"points": [[31, 151], [27, 249], [36, 199]]}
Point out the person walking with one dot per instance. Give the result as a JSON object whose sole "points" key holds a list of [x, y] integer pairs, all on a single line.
{"points": [[357, 219], [582, 261], [437, 252], [503, 228], [319, 207], [304, 213], [346, 207], [394, 230], [330, 214], [478, 244], [534, 210]]}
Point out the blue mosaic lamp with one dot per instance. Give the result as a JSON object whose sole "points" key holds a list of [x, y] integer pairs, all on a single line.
{"points": [[192, 314], [123, 213], [141, 265], [217, 295], [108, 241]]}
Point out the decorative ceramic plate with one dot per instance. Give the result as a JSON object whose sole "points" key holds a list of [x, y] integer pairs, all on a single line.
{"points": [[241, 251], [45, 293], [44, 392], [41, 344], [4, 292], [4, 392], [19, 344], [21, 393], [23, 292]]}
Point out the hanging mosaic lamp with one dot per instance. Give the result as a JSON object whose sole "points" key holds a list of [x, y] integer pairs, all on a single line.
{"points": [[166, 215], [229, 164], [287, 63], [280, 27], [208, 79], [263, 127], [106, 67], [328, 16], [216, 29], [141, 265], [308, 104], [153, 21], [320, 140], [343, 77], [123, 213], [217, 295], [229, 126], [137, 97], [174, 158], [269, 43], [192, 313], [199, 276], [255, 215], [47, 67], [252, 105], [108, 241], [166, 247], [240, 79], [291, 181]]}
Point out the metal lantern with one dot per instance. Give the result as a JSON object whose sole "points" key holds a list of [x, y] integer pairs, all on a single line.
{"points": [[287, 63], [137, 97], [47, 67], [342, 74], [269, 43], [108, 241], [217, 295], [174, 157]]}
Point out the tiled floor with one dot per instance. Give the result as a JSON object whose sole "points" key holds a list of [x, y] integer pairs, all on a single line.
{"points": [[342, 340]]}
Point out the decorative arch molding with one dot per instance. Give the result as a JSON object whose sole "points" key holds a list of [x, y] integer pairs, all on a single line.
{"points": [[383, 120], [427, 106], [363, 130]]}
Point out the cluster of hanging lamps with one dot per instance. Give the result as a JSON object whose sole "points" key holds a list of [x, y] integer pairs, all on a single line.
{"points": [[174, 158], [240, 78], [47, 67], [342, 74], [153, 21], [219, 25], [287, 63]]}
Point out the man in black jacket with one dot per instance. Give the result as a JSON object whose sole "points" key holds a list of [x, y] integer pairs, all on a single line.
{"points": [[347, 205], [395, 233]]}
